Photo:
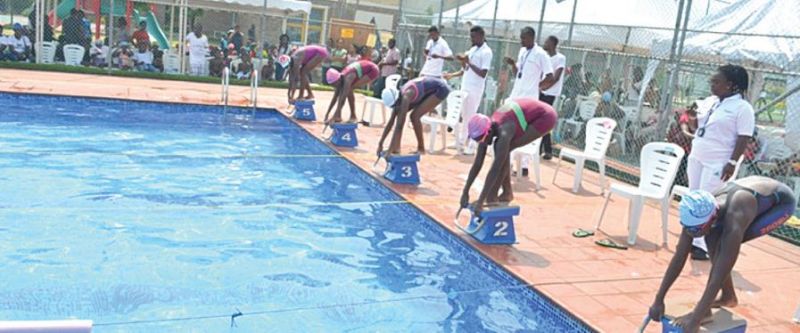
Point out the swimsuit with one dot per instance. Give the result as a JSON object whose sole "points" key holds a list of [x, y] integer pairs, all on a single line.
{"points": [[424, 87], [772, 210], [526, 112], [311, 51], [362, 68]]}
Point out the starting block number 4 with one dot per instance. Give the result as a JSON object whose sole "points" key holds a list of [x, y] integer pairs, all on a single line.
{"points": [[344, 135]]}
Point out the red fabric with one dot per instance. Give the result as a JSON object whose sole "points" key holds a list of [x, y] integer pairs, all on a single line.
{"points": [[139, 36], [675, 134]]}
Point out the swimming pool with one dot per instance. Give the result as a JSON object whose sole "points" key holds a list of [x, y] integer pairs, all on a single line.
{"points": [[149, 217]]}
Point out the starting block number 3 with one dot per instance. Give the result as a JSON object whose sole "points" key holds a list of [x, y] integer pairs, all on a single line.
{"points": [[406, 171]]}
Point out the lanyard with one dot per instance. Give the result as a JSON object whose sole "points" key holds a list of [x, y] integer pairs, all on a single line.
{"points": [[522, 65]]}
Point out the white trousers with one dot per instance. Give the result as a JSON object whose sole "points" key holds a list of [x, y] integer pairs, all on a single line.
{"points": [[468, 109], [196, 68], [704, 176]]}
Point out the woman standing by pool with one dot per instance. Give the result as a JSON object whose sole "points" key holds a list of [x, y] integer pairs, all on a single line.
{"points": [[725, 124], [515, 124]]}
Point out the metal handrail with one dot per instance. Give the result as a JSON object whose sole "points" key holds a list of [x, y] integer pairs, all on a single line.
{"points": [[254, 89], [226, 81]]}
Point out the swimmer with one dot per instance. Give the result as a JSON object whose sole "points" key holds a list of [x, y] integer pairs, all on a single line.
{"points": [[358, 74], [515, 124], [741, 211], [303, 61], [420, 96]]}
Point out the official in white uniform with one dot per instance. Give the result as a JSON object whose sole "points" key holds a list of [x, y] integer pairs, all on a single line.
{"points": [[475, 66], [725, 124], [550, 93], [531, 70], [198, 49], [436, 52]]}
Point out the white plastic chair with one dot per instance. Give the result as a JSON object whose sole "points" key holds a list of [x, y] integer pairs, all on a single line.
{"points": [[392, 81], [598, 136], [586, 111], [532, 151], [455, 102], [48, 52], [680, 191], [73, 54], [659, 165], [172, 63]]}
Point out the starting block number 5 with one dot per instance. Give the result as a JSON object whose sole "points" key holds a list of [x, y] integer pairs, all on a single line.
{"points": [[306, 112], [406, 171], [500, 229]]}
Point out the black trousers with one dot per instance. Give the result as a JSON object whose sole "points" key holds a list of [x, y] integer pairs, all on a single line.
{"points": [[547, 142]]}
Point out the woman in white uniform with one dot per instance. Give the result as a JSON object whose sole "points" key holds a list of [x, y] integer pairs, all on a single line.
{"points": [[725, 125]]}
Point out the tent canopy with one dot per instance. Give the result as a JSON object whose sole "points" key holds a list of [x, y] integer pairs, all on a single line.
{"points": [[246, 6], [598, 23], [758, 31]]}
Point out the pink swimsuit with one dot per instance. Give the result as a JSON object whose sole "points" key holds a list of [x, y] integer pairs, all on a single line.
{"points": [[311, 51], [538, 114], [362, 68]]}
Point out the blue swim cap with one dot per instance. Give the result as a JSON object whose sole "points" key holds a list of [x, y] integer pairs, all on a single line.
{"points": [[607, 97], [697, 208]]}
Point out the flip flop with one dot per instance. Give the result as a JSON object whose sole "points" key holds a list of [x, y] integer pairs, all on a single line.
{"points": [[610, 244], [581, 233]]}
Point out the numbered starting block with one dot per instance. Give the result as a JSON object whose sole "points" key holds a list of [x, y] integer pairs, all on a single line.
{"points": [[402, 169], [304, 110], [722, 320], [493, 226], [344, 135]]}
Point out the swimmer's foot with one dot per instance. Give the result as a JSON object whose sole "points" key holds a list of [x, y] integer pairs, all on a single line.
{"points": [[728, 301], [309, 97], [352, 120], [506, 198], [333, 121], [419, 151]]}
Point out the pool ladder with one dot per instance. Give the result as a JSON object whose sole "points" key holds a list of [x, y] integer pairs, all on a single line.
{"points": [[226, 83]]}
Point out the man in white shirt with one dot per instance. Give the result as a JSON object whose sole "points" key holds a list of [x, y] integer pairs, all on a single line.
{"points": [[531, 70], [436, 52], [725, 125], [388, 66], [18, 46], [475, 66], [552, 91], [198, 49], [143, 59]]}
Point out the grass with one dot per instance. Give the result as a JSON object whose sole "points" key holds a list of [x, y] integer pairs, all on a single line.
{"points": [[156, 76]]}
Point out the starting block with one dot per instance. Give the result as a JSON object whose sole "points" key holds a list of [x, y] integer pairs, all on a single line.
{"points": [[344, 135], [722, 320], [304, 110], [402, 169], [493, 226]]}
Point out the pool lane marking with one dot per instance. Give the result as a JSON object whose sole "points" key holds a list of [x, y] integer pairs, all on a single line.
{"points": [[185, 156], [194, 207]]}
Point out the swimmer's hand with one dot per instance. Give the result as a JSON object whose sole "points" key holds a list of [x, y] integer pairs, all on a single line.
{"points": [[509, 61], [687, 322], [477, 208], [657, 311], [435, 56]]}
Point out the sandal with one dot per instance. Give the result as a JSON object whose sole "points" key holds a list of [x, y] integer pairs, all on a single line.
{"points": [[581, 233], [610, 244]]}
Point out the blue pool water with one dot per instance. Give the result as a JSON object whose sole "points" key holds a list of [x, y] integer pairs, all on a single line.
{"points": [[152, 217]]}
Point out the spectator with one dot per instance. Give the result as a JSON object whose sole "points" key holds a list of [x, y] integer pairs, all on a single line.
{"points": [[144, 59], [3, 44], [48, 30], [681, 133], [158, 57], [532, 69], [388, 67], [72, 29], [198, 49], [353, 55], [123, 56], [98, 54], [408, 70], [245, 67], [237, 39], [251, 33], [475, 65], [338, 56], [216, 64], [375, 56], [552, 91], [140, 35], [283, 49], [436, 52], [87, 27], [121, 34], [18, 46], [727, 123]]}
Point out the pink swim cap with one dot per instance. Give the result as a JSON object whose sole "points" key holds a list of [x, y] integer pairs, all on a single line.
{"points": [[332, 75], [478, 126]]}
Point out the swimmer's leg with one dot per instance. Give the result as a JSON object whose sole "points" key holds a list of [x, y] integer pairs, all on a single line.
{"points": [[727, 296]]}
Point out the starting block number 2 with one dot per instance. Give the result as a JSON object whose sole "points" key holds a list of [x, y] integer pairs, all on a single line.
{"points": [[501, 229]]}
